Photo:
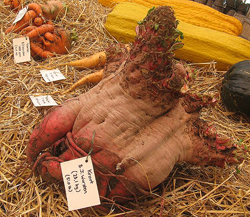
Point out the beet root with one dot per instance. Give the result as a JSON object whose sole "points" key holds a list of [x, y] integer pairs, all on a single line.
{"points": [[136, 123]]}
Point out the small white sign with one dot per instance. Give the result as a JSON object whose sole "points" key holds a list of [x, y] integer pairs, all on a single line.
{"points": [[39, 101], [21, 48], [80, 183], [52, 75], [20, 14]]}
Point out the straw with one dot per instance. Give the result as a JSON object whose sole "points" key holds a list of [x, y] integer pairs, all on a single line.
{"points": [[187, 191]]}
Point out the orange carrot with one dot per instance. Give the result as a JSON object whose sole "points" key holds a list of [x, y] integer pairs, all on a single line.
{"points": [[48, 40], [49, 36], [36, 7], [38, 21], [38, 51], [47, 43], [90, 78], [62, 41], [7, 2], [50, 22], [40, 30], [15, 5], [27, 29], [98, 59], [27, 19], [39, 40]]}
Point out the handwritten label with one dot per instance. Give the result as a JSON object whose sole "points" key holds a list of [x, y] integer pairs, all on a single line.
{"points": [[39, 101], [21, 49], [52, 75], [20, 14], [80, 183]]}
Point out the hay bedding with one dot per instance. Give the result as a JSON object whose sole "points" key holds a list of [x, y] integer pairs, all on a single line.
{"points": [[188, 191]]}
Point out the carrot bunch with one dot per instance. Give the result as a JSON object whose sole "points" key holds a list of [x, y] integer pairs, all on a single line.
{"points": [[14, 5], [37, 14], [47, 40]]}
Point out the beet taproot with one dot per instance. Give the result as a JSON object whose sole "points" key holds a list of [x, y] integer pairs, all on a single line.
{"points": [[134, 122]]}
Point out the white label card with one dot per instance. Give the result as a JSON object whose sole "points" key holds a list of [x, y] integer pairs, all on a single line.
{"points": [[21, 48], [52, 75], [20, 14], [39, 101], [80, 183]]}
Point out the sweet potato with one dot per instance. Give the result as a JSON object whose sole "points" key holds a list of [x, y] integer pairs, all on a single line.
{"points": [[137, 116]]}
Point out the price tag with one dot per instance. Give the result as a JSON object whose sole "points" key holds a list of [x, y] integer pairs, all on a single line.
{"points": [[20, 14], [52, 75], [39, 101], [80, 183], [21, 49]]}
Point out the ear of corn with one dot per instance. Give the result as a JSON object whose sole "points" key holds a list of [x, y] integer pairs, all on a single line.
{"points": [[191, 12], [200, 44]]}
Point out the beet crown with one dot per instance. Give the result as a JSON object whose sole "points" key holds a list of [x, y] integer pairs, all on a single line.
{"points": [[150, 63], [157, 37]]}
